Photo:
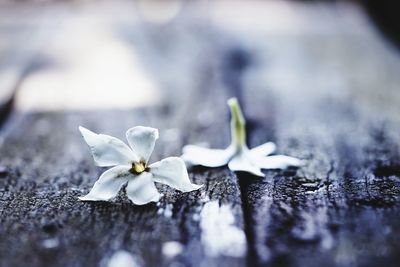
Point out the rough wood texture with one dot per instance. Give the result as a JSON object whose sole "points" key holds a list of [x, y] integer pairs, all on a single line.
{"points": [[325, 91], [45, 171]]}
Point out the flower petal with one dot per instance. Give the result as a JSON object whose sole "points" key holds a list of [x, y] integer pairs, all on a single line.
{"points": [[277, 162], [107, 150], [172, 171], [197, 155], [142, 140], [109, 184], [242, 163], [263, 150], [141, 189]]}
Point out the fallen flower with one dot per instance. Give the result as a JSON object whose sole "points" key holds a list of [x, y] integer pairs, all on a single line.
{"points": [[238, 156], [131, 166]]}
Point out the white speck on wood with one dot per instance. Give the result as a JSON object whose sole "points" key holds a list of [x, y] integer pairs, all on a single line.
{"points": [[171, 249], [219, 235], [50, 243], [166, 211], [123, 258]]}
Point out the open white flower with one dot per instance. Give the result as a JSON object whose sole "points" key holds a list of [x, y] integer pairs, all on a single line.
{"points": [[131, 166], [238, 156]]}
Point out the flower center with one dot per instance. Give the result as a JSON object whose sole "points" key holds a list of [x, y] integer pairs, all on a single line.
{"points": [[138, 167]]}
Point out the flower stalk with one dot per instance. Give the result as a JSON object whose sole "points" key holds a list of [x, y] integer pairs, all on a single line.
{"points": [[238, 124]]}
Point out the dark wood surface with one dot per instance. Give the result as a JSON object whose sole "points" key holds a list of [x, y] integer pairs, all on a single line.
{"points": [[322, 84]]}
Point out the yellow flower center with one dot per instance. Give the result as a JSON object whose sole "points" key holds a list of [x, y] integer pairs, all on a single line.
{"points": [[138, 167]]}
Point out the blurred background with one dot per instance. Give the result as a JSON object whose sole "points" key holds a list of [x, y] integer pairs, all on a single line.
{"points": [[80, 55]]}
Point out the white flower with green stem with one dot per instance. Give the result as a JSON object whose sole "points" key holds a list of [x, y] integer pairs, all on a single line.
{"points": [[237, 155]]}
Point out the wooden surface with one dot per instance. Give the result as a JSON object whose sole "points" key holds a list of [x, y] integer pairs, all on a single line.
{"points": [[316, 79]]}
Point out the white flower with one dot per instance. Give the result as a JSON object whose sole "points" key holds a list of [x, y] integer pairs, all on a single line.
{"points": [[238, 156], [131, 166]]}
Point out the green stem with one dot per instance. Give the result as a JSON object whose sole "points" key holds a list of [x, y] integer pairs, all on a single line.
{"points": [[238, 124]]}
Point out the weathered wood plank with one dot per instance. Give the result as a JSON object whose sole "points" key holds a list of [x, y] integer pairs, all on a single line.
{"points": [[46, 166], [338, 110]]}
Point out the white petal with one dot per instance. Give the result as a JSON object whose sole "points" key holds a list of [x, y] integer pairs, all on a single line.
{"points": [[109, 184], [196, 155], [277, 162], [141, 189], [263, 150], [242, 163], [142, 140], [172, 171], [107, 150]]}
